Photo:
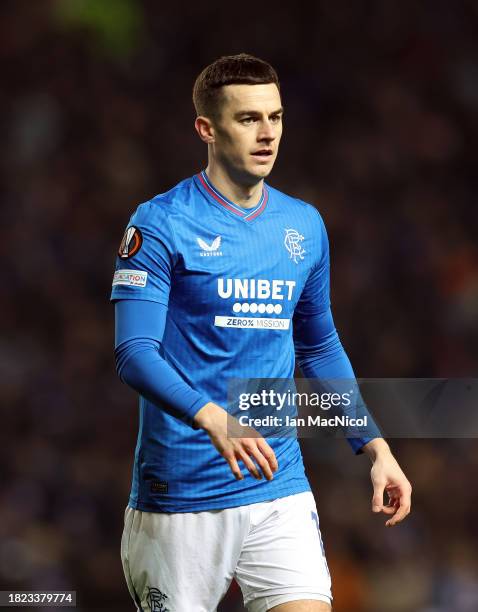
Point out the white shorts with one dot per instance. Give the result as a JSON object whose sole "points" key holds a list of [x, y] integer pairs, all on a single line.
{"points": [[185, 562]]}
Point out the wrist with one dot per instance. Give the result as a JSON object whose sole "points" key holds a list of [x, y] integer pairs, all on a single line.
{"points": [[376, 448], [204, 417]]}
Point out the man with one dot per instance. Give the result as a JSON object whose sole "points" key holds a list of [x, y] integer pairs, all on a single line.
{"points": [[220, 278]]}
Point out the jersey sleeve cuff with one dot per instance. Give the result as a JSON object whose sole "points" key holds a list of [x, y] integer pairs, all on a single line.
{"points": [[147, 296], [194, 408], [357, 444]]}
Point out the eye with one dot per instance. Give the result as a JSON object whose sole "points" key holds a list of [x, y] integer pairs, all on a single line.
{"points": [[247, 120], [275, 119]]}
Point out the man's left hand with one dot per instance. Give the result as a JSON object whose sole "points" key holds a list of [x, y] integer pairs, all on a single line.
{"points": [[387, 476]]}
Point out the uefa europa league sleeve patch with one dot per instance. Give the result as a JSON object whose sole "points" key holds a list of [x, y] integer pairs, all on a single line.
{"points": [[131, 243]]}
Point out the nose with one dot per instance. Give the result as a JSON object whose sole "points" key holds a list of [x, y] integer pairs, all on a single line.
{"points": [[266, 132]]}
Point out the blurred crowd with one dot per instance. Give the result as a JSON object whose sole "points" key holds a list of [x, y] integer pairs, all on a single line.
{"points": [[380, 134]]}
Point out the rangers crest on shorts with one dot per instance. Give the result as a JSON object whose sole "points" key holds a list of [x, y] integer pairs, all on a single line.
{"points": [[156, 600]]}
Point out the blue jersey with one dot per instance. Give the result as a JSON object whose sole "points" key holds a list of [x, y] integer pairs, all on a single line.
{"points": [[232, 279]]}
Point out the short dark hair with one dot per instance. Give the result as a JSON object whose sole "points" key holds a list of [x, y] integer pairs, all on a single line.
{"points": [[241, 69]]}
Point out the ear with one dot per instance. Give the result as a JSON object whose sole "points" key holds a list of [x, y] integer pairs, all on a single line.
{"points": [[205, 129]]}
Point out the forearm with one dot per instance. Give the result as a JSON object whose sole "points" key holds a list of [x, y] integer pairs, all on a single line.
{"points": [[320, 355], [140, 365]]}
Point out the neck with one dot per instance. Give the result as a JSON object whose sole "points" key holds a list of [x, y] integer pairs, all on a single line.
{"points": [[246, 196]]}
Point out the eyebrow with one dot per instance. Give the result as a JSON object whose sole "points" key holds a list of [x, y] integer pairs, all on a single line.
{"points": [[279, 111]]}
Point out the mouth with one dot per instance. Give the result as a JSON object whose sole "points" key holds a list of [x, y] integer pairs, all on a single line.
{"points": [[262, 154]]}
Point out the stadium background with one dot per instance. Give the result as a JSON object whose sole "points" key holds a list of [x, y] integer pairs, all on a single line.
{"points": [[380, 133]]}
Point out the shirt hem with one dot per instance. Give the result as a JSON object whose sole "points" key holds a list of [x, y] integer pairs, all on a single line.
{"points": [[220, 504]]}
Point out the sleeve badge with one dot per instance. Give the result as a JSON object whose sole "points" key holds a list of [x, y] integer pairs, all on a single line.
{"points": [[131, 242]]}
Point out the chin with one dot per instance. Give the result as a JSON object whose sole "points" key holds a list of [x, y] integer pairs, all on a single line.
{"points": [[251, 176], [262, 171]]}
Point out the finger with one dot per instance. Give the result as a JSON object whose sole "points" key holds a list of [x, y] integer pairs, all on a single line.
{"points": [[394, 492], [402, 510], [377, 499], [400, 490], [268, 453], [400, 498], [255, 451], [401, 513], [261, 461], [235, 469], [393, 500], [250, 465]]}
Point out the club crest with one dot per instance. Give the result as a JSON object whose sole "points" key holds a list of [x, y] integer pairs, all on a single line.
{"points": [[292, 242], [156, 600]]}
